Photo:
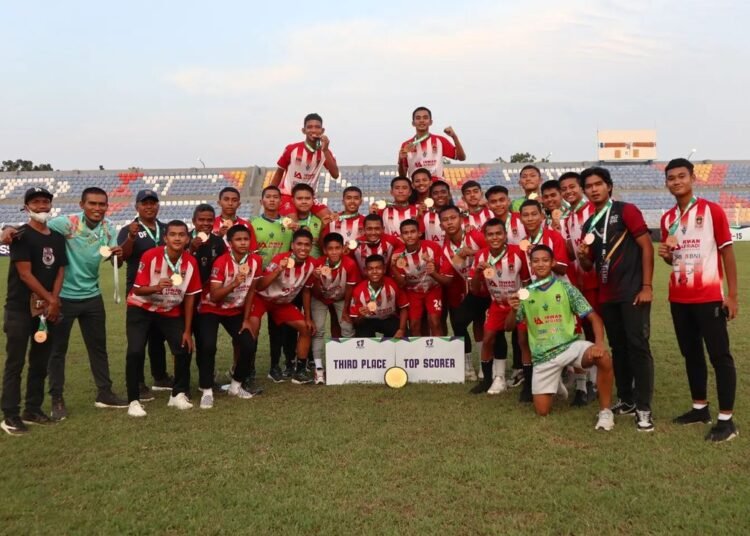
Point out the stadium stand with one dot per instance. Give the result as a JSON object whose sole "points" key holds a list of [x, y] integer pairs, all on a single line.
{"points": [[725, 182]]}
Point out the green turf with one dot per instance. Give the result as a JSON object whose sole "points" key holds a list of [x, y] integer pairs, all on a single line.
{"points": [[347, 460]]}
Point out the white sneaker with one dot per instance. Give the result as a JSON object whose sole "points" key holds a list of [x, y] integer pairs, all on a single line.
{"points": [[320, 377], [239, 392], [498, 386], [180, 401], [562, 391], [207, 400], [135, 409], [606, 420]]}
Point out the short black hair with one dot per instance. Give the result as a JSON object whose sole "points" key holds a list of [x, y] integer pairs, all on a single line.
{"points": [[302, 233], [570, 175], [95, 190], [394, 180], [542, 247], [531, 203], [600, 172], [176, 223], [229, 189], [355, 189], [238, 228], [678, 163], [374, 217], [422, 170], [493, 222], [421, 109], [446, 209], [551, 184], [312, 117], [333, 237], [470, 184], [270, 188], [302, 187], [408, 221], [374, 258], [203, 207], [530, 166], [440, 182], [496, 189]]}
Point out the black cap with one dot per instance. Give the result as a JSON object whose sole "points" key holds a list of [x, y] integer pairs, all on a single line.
{"points": [[31, 193], [146, 194]]}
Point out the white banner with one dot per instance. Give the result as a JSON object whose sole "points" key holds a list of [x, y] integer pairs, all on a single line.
{"points": [[432, 359], [740, 234], [358, 360]]}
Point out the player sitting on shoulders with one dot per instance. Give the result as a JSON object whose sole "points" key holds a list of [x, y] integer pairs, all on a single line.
{"points": [[427, 150], [440, 193]]}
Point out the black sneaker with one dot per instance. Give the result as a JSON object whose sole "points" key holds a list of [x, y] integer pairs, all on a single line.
{"points": [[694, 416], [580, 400], [623, 408], [301, 377], [643, 421], [14, 426], [482, 387], [107, 399], [592, 394], [276, 375], [144, 393], [722, 431], [289, 370], [59, 411], [516, 378], [164, 384], [250, 386], [525, 396], [36, 417]]}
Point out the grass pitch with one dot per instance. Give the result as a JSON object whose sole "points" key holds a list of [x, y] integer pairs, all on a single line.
{"points": [[364, 459]]}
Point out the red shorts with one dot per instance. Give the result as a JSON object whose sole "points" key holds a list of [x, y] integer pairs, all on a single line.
{"points": [[287, 206], [281, 313], [496, 316], [431, 301]]}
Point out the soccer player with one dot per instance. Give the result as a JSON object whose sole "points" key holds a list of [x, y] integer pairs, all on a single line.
{"points": [[440, 193], [498, 202], [375, 243], [205, 246], [303, 197], [498, 270], [90, 238], [547, 322], [227, 301], [421, 179], [427, 150], [555, 207], [35, 278], [696, 242], [398, 210], [464, 307], [229, 202], [350, 224], [163, 298], [624, 259], [283, 279], [536, 233], [334, 278], [378, 305], [143, 233], [476, 214], [419, 268], [302, 162], [530, 180]]}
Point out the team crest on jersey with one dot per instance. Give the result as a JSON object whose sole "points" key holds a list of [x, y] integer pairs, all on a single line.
{"points": [[515, 231], [615, 218], [545, 307], [558, 298], [48, 256], [141, 266], [511, 267], [699, 221], [214, 272]]}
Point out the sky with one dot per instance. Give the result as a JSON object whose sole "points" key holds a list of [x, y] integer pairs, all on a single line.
{"points": [[159, 84]]}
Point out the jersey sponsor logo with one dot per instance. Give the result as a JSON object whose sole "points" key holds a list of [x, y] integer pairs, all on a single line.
{"points": [[48, 256]]}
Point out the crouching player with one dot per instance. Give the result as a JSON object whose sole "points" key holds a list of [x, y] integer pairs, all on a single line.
{"points": [[547, 324], [498, 270], [378, 305], [334, 278], [285, 276], [163, 299], [227, 300]]}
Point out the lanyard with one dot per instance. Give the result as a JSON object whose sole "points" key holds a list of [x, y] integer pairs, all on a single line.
{"points": [[149, 233], [541, 282], [579, 206], [374, 295], [306, 222], [311, 148], [174, 267], [599, 215], [461, 244], [242, 261], [348, 216], [494, 260], [676, 223], [416, 141], [538, 237], [328, 263], [99, 234]]}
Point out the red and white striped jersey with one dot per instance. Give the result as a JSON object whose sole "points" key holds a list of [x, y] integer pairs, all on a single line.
{"points": [[290, 281], [477, 219], [415, 271], [575, 232], [350, 228], [224, 271], [388, 301], [474, 240], [385, 247], [510, 271], [151, 269], [513, 227], [332, 287], [696, 266], [428, 154], [300, 166], [432, 229], [393, 216], [237, 221]]}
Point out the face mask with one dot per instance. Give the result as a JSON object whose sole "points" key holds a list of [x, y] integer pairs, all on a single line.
{"points": [[40, 217]]}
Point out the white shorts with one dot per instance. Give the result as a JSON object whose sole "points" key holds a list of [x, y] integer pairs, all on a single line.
{"points": [[546, 376]]}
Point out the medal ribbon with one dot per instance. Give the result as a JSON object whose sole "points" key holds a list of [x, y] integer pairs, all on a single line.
{"points": [[149, 233], [306, 221], [538, 237], [492, 261], [416, 141], [99, 234], [311, 148], [373, 294], [541, 282], [42, 323], [348, 216], [676, 223], [174, 267], [328, 263], [599, 215]]}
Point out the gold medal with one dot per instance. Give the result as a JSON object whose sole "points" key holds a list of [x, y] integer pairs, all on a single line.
{"points": [[287, 222], [352, 244], [533, 196], [671, 241], [457, 260], [589, 239], [489, 272], [429, 202], [325, 270], [290, 262], [105, 251], [372, 306], [401, 263], [523, 294], [557, 214], [381, 204], [244, 269], [227, 223], [203, 236], [396, 377], [40, 336], [524, 244], [176, 280]]}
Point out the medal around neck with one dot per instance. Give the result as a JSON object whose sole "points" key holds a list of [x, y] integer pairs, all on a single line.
{"points": [[523, 294], [381, 204], [325, 270], [352, 244], [290, 262], [671, 241], [489, 272], [372, 306], [244, 269], [589, 239], [556, 214], [429, 202], [401, 263], [525, 245], [203, 236], [396, 377], [287, 222], [105, 251], [176, 279], [532, 196]]}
